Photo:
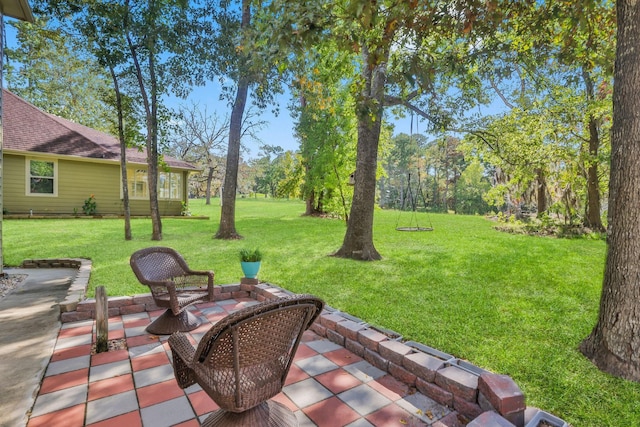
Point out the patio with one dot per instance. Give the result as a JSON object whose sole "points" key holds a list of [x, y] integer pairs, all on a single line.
{"points": [[345, 372], [328, 385]]}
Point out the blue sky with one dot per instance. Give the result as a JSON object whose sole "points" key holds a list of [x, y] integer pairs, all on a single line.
{"points": [[279, 130]]}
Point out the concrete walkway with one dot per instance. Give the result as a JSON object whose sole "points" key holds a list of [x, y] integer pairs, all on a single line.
{"points": [[29, 326]]}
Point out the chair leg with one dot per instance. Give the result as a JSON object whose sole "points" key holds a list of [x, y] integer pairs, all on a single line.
{"points": [[169, 323], [266, 414]]}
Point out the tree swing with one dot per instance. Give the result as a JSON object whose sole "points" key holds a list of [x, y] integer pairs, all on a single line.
{"points": [[408, 195], [413, 222]]}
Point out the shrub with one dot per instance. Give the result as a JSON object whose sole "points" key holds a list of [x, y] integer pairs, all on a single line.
{"points": [[89, 206]]}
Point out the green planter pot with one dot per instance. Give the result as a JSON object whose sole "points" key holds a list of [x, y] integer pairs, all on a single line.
{"points": [[250, 269]]}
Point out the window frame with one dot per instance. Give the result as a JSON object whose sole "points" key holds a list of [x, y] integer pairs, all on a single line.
{"points": [[132, 173], [172, 186], [55, 178]]}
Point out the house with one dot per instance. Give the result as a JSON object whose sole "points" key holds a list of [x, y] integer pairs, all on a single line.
{"points": [[52, 165]]}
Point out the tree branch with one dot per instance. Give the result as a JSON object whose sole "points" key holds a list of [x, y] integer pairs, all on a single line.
{"points": [[500, 94]]}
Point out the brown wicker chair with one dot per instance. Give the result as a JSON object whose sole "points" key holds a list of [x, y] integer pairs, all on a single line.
{"points": [[173, 285], [244, 359]]}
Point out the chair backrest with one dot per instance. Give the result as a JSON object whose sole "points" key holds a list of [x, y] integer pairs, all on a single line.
{"points": [[244, 359], [157, 264]]}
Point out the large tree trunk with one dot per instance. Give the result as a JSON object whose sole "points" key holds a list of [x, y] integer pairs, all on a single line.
{"points": [[358, 239], [614, 343], [123, 157], [592, 217], [152, 151], [592, 214], [227, 229], [310, 204]]}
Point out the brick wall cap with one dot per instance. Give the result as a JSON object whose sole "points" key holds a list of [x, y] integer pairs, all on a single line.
{"points": [[424, 360], [502, 392]]}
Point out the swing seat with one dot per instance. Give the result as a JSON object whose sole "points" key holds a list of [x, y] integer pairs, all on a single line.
{"points": [[414, 228]]}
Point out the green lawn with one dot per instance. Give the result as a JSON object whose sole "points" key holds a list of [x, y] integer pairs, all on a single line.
{"points": [[512, 304]]}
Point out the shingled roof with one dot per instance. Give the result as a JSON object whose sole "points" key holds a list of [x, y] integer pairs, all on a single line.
{"points": [[26, 128]]}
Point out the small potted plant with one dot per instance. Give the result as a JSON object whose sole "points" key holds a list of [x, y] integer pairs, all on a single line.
{"points": [[250, 260]]}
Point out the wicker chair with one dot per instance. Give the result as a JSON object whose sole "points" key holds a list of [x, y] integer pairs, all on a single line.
{"points": [[244, 359], [174, 286]]}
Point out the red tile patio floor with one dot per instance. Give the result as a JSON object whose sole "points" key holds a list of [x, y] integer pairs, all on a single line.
{"points": [[327, 385]]}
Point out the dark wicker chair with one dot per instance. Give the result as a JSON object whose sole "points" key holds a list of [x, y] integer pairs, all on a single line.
{"points": [[174, 286], [244, 359]]}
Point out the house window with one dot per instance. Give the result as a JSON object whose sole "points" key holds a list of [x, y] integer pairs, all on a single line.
{"points": [[137, 182], [169, 185], [42, 177]]}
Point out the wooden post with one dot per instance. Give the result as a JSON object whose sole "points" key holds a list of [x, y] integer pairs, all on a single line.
{"points": [[102, 320]]}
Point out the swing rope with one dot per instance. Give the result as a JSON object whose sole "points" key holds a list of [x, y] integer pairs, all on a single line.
{"points": [[412, 200]]}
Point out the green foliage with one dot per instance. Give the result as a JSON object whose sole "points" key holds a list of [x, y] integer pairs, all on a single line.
{"points": [[513, 304], [551, 68], [47, 69], [184, 210], [326, 128], [89, 206], [293, 174], [470, 189], [271, 169], [250, 255]]}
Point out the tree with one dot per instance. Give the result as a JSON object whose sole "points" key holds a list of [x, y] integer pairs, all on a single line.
{"points": [[527, 146], [326, 129], [199, 138], [470, 189], [554, 59], [447, 163], [125, 136], [397, 47], [47, 70], [151, 41], [271, 169], [227, 228], [155, 34], [236, 56], [92, 35], [107, 46], [614, 344], [586, 29], [142, 43], [291, 183]]}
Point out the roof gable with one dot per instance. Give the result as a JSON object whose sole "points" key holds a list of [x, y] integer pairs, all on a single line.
{"points": [[27, 128]]}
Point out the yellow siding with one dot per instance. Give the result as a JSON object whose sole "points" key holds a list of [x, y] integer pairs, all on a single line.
{"points": [[77, 180]]}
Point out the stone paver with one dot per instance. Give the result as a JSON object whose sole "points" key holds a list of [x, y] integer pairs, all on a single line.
{"points": [[364, 399]]}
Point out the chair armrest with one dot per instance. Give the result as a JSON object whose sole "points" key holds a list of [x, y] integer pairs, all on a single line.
{"points": [[210, 279], [162, 288], [183, 352]]}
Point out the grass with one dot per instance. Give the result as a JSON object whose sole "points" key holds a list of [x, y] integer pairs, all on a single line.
{"points": [[512, 304]]}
